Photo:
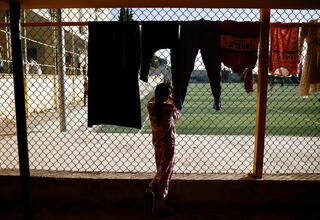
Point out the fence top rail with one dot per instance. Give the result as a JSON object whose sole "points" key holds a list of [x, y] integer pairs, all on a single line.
{"points": [[85, 23], [284, 4]]}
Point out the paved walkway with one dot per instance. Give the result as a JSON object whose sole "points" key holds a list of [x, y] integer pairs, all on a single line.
{"points": [[81, 149], [90, 151]]}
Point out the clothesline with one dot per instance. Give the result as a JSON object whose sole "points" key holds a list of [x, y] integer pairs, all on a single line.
{"points": [[86, 23], [294, 24]]}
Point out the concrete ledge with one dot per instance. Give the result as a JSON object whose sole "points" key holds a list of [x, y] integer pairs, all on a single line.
{"points": [[213, 190]]}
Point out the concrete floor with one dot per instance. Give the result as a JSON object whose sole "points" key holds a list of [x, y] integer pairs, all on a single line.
{"points": [[100, 212], [88, 151], [71, 196], [81, 149]]}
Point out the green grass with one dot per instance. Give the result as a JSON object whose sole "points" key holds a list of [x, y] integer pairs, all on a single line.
{"points": [[118, 129], [287, 114]]}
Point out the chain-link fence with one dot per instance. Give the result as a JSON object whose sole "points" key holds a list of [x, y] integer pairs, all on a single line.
{"points": [[293, 123], [208, 141]]}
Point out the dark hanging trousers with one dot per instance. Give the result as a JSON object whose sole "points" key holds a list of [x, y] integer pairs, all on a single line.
{"points": [[195, 35], [113, 63], [158, 35]]}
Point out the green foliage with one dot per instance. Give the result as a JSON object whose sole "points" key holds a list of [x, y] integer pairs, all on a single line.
{"points": [[125, 15], [157, 61], [275, 79], [225, 74], [154, 62]]}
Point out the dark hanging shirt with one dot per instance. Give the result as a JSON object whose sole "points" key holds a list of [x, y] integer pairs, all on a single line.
{"points": [[113, 63]]}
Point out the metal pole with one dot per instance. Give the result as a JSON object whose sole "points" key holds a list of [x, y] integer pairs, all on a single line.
{"points": [[8, 45], [25, 62], [17, 60], [73, 66], [55, 62], [61, 74], [74, 90], [261, 93], [71, 69]]}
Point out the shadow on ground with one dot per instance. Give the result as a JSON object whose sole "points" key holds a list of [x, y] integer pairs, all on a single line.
{"points": [[97, 212]]}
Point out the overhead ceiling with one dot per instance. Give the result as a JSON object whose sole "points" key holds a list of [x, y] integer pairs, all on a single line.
{"points": [[289, 4]]}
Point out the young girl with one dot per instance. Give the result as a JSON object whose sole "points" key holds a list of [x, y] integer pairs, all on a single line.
{"points": [[162, 114]]}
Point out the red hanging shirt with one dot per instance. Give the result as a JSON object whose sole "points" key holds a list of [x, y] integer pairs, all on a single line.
{"points": [[239, 48]]}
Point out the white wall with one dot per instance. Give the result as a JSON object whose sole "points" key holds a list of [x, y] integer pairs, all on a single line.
{"points": [[40, 93]]}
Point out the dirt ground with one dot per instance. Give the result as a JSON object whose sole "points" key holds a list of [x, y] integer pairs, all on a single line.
{"points": [[8, 127]]}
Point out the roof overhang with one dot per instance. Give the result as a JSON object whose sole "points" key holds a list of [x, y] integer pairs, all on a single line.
{"points": [[288, 4]]}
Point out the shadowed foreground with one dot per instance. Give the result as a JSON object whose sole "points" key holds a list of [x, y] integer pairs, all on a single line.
{"points": [[96, 212], [90, 211], [72, 195]]}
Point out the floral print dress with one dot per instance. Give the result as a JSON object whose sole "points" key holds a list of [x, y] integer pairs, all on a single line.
{"points": [[163, 139]]}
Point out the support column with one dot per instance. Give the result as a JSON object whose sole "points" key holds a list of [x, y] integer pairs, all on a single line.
{"points": [[54, 44], [25, 53], [71, 68], [261, 93], [17, 61], [73, 60], [61, 74], [8, 45]]}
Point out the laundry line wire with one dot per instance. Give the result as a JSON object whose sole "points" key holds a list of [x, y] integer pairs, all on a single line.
{"points": [[86, 23]]}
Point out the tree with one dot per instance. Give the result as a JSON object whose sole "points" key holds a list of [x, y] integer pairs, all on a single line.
{"points": [[225, 74], [154, 62], [157, 61], [125, 15]]}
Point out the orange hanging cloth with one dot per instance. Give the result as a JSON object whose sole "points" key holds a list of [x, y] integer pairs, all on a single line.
{"points": [[284, 54]]}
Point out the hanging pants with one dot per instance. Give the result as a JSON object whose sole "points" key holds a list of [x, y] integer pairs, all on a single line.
{"points": [[114, 60], [195, 35], [158, 35]]}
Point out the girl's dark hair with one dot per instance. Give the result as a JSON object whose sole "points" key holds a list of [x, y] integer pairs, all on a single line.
{"points": [[161, 94]]}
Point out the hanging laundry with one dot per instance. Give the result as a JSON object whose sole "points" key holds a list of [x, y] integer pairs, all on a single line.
{"points": [[114, 60], [195, 35], [310, 78], [284, 57], [239, 48], [156, 35]]}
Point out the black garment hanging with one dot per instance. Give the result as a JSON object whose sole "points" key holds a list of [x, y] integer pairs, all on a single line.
{"points": [[158, 35], [195, 35], [113, 63]]}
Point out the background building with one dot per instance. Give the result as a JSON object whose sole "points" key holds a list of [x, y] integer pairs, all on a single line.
{"points": [[40, 41]]}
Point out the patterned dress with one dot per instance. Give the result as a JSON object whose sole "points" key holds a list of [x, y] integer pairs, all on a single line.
{"points": [[163, 139]]}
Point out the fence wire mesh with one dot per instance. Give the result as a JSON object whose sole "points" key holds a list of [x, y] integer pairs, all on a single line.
{"points": [[293, 123], [208, 141]]}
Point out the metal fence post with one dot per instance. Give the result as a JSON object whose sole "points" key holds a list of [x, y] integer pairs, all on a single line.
{"points": [[61, 74], [261, 93], [17, 60], [71, 69], [8, 43], [53, 40], [25, 51]]}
